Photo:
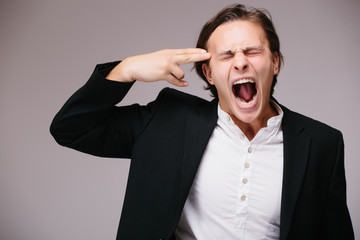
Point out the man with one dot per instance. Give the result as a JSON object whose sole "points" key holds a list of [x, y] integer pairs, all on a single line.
{"points": [[240, 167]]}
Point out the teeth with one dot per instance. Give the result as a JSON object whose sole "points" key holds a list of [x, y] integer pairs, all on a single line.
{"points": [[241, 81]]}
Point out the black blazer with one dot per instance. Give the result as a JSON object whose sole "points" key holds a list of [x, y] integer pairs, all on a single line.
{"points": [[166, 140]]}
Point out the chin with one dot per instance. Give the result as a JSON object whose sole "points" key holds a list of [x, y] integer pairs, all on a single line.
{"points": [[247, 117]]}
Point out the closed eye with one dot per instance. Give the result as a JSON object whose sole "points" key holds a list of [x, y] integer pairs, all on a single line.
{"points": [[250, 51], [226, 56], [253, 51]]}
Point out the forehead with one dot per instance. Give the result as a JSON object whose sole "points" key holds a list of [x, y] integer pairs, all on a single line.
{"points": [[237, 34]]}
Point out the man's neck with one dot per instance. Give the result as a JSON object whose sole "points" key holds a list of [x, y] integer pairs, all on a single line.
{"points": [[251, 129]]}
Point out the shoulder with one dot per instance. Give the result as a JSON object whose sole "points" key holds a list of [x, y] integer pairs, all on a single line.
{"points": [[169, 97], [308, 125], [175, 104], [176, 95]]}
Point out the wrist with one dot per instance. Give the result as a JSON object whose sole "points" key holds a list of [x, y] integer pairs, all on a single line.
{"points": [[121, 73]]}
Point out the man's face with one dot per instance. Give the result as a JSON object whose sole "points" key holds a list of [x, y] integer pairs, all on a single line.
{"points": [[242, 69]]}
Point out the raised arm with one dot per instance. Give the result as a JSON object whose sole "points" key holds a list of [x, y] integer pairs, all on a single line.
{"points": [[90, 122], [160, 65]]}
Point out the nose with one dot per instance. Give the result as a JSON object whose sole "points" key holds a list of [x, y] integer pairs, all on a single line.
{"points": [[240, 62]]}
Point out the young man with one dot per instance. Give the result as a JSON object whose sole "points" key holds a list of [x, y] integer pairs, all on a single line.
{"points": [[240, 167]]}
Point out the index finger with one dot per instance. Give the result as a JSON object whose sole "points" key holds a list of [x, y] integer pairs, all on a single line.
{"points": [[188, 51], [192, 57]]}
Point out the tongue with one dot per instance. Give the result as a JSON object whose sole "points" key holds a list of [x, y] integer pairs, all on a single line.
{"points": [[246, 91]]}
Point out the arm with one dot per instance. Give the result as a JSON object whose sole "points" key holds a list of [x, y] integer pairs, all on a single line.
{"points": [[160, 65], [87, 122], [90, 122], [337, 223]]}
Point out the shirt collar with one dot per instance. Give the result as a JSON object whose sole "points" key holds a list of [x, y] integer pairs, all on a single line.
{"points": [[273, 123]]}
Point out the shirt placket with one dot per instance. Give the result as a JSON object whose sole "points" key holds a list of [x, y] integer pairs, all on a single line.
{"points": [[244, 183]]}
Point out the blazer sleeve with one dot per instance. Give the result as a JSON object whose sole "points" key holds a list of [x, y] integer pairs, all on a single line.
{"points": [[90, 122], [337, 218]]}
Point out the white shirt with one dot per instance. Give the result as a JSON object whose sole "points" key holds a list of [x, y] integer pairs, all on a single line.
{"points": [[236, 193]]}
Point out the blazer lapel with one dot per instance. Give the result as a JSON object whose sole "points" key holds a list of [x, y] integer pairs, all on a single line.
{"points": [[296, 151], [198, 132]]}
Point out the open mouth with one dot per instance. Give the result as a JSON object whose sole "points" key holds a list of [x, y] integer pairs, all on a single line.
{"points": [[245, 90]]}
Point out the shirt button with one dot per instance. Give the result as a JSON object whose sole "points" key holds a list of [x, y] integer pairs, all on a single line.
{"points": [[243, 198], [250, 150], [245, 180], [247, 165], [228, 118]]}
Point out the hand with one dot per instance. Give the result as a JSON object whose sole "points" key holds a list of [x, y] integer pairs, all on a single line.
{"points": [[160, 65]]}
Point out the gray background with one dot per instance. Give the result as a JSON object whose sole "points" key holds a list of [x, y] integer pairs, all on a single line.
{"points": [[48, 50]]}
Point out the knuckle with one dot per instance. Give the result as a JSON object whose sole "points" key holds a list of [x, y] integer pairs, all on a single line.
{"points": [[170, 79], [164, 72], [165, 64]]}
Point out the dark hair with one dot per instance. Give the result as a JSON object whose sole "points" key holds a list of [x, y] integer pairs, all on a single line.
{"points": [[239, 12]]}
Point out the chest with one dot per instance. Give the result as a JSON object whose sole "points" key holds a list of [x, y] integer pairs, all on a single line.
{"points": [[239, 183]]}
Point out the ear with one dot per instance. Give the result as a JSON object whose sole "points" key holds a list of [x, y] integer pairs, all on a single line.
{"points": [[275, 58], [207, 72]]}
